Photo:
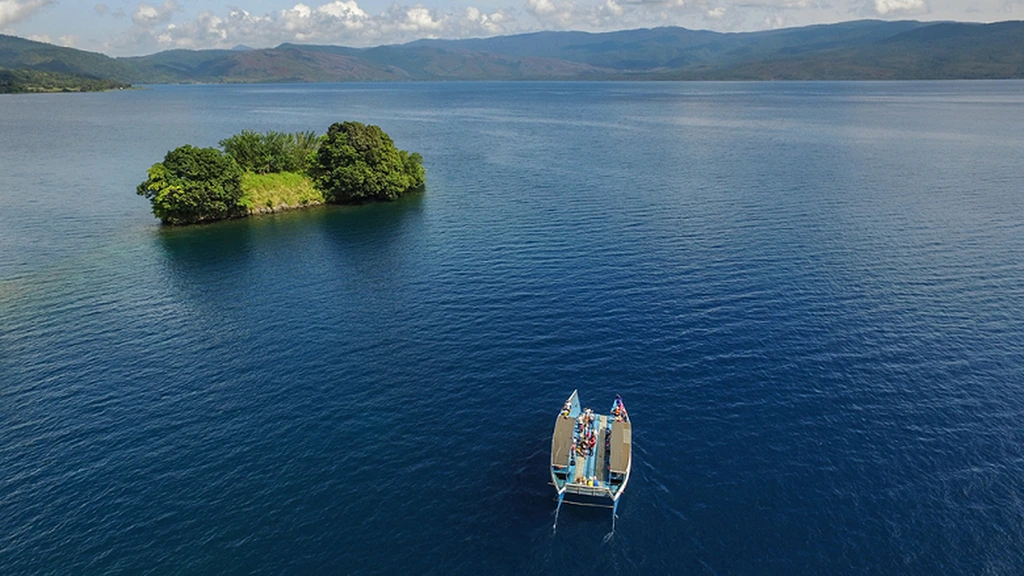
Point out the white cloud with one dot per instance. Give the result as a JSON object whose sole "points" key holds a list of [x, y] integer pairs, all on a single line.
{"points": [[343, 10], [608, 15], [346, 22], [673, 4], [148, 15], [341, 22], [14, 11], [419, 18], [481, 23], [776, 4], [547, 10], [886, 7], [611, 9]]}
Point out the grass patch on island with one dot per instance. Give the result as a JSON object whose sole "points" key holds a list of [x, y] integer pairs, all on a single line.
{"points": [[277, 190]]}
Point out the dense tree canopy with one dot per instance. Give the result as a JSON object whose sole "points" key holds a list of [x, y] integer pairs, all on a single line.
{"points": [[271, 151], [192, 185], [357, 162], [18, 81]]}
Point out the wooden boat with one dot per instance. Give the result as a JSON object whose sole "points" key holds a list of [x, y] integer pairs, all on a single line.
{"points": [[591, 455]]}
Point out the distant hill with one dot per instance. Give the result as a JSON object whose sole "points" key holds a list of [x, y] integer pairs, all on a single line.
{"points": [[675, 48], [943, 51], [18, 53], [865, 49]]}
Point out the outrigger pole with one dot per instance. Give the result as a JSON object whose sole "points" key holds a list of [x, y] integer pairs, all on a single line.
{"points": [[561, 495]]}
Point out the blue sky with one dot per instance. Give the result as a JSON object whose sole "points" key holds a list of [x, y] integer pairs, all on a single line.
{"points": [[130, 27]]}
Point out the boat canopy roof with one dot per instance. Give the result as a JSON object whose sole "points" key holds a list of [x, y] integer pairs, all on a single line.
{"points": [[621, 446], [561, 441]]}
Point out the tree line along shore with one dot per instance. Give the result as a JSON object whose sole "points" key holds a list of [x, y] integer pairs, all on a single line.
{"points": [[36, 81], [255, 173]]}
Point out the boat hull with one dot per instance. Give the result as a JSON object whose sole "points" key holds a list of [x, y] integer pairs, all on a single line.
{"points": [[591, 455]]}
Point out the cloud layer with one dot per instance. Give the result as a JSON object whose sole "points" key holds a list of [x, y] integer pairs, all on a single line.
{"points": [[901, 7], [335, 22], [146, 26], [156, 27], [14, 11], [148, 15]]}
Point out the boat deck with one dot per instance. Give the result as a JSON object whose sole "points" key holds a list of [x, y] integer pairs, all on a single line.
{"points": [[590, 474], [601, 455]]}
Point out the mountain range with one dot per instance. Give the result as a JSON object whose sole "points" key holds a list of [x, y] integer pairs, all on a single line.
{"points": [[858, 50]]}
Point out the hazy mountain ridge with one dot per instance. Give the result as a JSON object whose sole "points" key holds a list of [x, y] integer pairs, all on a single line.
{"points": [[866, 49]]}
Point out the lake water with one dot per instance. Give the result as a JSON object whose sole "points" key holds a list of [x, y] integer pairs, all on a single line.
{"points": [[810, 295]]}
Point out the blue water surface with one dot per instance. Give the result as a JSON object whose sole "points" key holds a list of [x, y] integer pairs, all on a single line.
{"points": [[810, 295]]}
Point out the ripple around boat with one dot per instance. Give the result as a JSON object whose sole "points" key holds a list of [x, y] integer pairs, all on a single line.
{"points": [[591, 455]]}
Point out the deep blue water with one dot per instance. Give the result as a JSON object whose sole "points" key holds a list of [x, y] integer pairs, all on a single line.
{"points": [[810, 295]]}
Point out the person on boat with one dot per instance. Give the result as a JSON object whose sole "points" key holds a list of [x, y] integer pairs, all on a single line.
{"points": [[619, 411]]}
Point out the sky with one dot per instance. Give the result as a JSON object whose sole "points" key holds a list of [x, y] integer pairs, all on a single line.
{"points": [[130, 27]]}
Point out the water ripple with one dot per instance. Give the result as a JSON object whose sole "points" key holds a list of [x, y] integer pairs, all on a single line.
{"points": [[810, 296]]}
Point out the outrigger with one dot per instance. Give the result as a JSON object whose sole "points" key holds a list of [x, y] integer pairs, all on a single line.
{"points": [[591, 455]]}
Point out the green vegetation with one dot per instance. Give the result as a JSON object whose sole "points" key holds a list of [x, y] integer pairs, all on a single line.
{"points": [[271, 152], [194, 185], [283, 189], [25, 81], [357, 162], [264, 172]]}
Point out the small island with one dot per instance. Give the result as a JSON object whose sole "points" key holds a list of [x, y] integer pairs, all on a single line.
{"points": [[26, 81], [258, 173]]}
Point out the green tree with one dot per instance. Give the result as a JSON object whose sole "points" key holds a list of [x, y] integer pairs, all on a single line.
{"points": [[356, 162], [302, 147], [271, 151], [192, 185]]}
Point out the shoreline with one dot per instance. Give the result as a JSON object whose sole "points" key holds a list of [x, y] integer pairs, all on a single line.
{"points": [[264, 210]]}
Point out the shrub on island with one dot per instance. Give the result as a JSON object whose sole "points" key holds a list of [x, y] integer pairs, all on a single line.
{"points": [[271, 152], [356, 162], [352, 163], [194, 185]]}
